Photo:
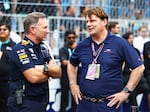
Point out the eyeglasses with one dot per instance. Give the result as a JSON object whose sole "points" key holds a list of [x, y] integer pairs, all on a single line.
{"points": [[71, 37], [4, 29]]}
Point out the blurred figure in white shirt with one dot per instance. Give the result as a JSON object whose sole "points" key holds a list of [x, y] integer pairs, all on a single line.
{"points": [[15, 37], [142, 38]]}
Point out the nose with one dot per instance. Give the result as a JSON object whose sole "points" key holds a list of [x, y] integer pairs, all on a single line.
{"points": [[47, 30], [88, 24]]}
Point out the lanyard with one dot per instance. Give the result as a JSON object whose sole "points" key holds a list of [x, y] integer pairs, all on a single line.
{"points": [[6, 42], [96, 53], [70, 52]]}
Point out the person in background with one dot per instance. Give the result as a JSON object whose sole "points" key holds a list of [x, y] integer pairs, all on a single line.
{"points": [[8, 7], [101, 57], [146, 55], [81, 24], [6, 45], [64, 54], [114, 28], [31, 65], [114, 11], [49, 7], [15, 37], [142, 38], [138, 14], [142, 87], [1, 13], [69, 23]]}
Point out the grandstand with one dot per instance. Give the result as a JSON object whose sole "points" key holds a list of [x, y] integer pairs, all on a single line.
{"points": [[130, 14]]}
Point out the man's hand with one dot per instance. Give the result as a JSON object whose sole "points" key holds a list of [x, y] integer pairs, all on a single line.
{"points": [[1, 14], [117, 99], [76, 92]]}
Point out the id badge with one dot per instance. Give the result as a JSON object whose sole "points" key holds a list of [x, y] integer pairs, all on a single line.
{"points": [[91, 72], [97, 74], [1, 53]]}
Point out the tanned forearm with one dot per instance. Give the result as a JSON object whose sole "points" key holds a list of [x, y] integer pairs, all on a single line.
{"points": [[135, 77], [36, 74], [72, 73]]}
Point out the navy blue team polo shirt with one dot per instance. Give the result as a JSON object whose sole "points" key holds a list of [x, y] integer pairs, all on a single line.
{"points": [[26, 55], [116, 50]]}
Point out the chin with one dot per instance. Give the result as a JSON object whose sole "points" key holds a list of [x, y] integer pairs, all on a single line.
{"points": [[91, 33], [44, 38]]}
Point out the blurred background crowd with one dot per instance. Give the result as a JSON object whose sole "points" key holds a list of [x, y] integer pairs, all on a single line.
{"points": [[124, 15]]}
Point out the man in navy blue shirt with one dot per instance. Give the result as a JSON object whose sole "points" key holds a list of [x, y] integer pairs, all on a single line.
{"points": [[101, 57], [30, 68]]}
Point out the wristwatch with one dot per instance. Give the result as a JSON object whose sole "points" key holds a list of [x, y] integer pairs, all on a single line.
{"points": [[45, 69], [126, 90]]}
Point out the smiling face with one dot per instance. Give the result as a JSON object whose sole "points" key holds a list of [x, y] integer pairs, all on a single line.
{"points": [[95, 25]]}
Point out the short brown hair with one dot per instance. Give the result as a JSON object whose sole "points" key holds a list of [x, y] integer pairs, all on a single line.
{"points": [[97, 11], [141, 27], [112, 24]]}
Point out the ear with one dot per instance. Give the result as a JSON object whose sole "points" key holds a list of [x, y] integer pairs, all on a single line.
{"points": [[105, 22], [32, 29]]}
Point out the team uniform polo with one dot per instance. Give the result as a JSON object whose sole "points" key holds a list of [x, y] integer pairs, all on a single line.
{"points": [[26, 55], [115, 51]]}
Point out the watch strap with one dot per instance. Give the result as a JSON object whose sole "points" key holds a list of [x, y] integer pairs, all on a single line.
{"points": [[126, 90], [45, 69]]}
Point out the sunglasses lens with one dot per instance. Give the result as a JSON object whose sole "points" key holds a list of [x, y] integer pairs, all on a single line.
{"points": [[71, 37], [3, 29]]}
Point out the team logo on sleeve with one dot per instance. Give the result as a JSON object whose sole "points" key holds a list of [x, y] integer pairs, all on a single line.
{"points": [[23, 57], [24, 42], [31, 50], [33, 55]]}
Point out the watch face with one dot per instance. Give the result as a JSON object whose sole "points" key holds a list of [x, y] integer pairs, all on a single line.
{"points": [[45, 68], [125, 89]]}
